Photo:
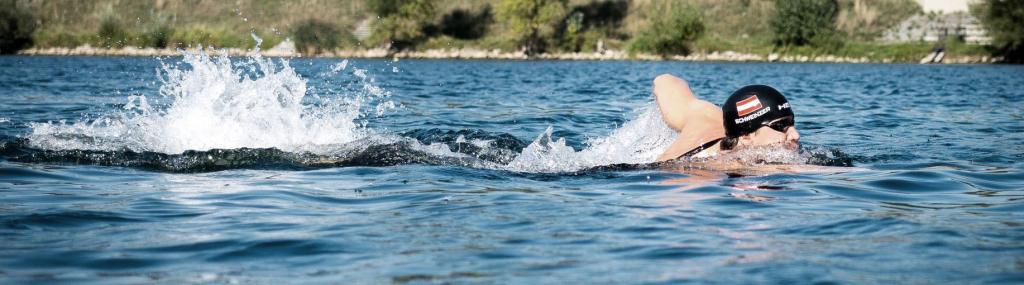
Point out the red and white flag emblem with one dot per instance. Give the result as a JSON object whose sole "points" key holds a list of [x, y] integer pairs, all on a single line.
{"points": [[747, 106]]}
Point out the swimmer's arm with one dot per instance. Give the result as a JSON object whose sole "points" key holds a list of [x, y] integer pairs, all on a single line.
{"points": [[674, 99], [765, 169], [729, 166]]}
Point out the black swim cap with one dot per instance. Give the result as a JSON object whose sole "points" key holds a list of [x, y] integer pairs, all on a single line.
{"points": [[751, 107]]}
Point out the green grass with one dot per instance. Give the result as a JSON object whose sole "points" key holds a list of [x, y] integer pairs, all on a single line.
{"points": [[897, 52]]}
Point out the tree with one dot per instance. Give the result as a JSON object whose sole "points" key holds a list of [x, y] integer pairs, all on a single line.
{"points": [[16, 27], [1004, 22], [805, 22], [671, 32], [312, 36], [465, 24], [401, 22], [531, 21]]}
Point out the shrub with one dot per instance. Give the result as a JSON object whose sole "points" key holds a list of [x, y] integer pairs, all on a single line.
{"points": [[805, 22], [384, 8], [16, 27], [59, 38], [111, 33], [404, 27], [572, 35], [157, 37], [201, 36], [670, 33], [189, 37], [312, 36], [1004, 22], [589, 23], [532, 21], [465, 24]]}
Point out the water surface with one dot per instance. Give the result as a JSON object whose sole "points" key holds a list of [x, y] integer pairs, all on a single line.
{"points": [[199, 169]]}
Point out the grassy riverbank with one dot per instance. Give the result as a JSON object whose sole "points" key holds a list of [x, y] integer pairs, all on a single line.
{"points": [[634, 29]]}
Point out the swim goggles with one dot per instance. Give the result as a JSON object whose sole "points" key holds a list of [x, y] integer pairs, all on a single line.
{"points": [[780, 124]]}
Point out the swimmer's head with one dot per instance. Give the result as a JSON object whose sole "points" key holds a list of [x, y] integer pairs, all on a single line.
{"points": [[758, 115]]}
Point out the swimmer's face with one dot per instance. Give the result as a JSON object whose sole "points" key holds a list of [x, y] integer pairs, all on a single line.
{"points": [[789, 137]]}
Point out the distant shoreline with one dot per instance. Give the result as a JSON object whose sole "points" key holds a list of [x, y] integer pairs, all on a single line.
{"points": [[468, 53]]}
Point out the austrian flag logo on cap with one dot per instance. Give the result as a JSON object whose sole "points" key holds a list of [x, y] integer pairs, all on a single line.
{"points": [[747, 106]]}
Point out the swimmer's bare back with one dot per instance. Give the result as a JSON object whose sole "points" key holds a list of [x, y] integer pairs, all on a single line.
{"points": [[697, 121]]}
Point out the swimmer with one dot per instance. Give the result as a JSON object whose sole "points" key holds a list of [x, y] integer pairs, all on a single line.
{"points": [[755, 115]]}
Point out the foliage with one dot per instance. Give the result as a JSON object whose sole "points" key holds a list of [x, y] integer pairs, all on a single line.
{"points": [[891, 52], [573, 32], [465, 24], [403, 24], [203, 36], [384, 8], [805, 22], [866, 20], [589, 23], [1004, 21], [670, 33], [111, 33], [16, 27], [553, 26], [157, 37], [58, 38], [532, 21], [313, 36]]}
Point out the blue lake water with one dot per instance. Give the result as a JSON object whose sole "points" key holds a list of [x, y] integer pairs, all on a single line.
{"points": [[248, 170]]}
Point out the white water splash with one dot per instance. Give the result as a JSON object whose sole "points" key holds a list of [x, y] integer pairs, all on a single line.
{"points": [[638, 141], [219, 104]]}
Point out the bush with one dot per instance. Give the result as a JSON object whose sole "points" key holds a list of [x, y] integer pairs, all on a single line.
{"points": [[670, 33], [111, 33], [464, 24], [805, 22], [312, 36], [157, 37], [532, 21], [201, 36], [59, 38], [1004, 22], [403, 28], [384, 8], [592, 22], [16, 27]]}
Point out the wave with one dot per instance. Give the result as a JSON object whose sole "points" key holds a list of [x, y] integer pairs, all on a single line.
{"points": [[466, 148], [212, 113]]}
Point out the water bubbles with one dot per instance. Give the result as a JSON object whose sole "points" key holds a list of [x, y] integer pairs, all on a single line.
{"points": [[636, 142], [340, 66], [258, 39]]}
